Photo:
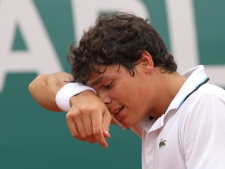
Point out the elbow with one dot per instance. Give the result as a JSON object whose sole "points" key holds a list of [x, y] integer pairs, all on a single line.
{"points": [[37, 89], [31, 86], [35, 84], [42, 93]]}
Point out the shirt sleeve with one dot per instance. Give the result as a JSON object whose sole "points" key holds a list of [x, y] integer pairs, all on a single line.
{"points": [[203, 134]]}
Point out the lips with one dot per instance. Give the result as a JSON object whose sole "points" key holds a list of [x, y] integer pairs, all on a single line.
{"points": [[116, 112]]}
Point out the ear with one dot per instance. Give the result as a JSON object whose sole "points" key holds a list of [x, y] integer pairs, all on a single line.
{"points": [[146, 62]]}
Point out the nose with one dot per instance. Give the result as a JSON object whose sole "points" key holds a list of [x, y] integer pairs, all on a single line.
{"points": [[104, 97]]}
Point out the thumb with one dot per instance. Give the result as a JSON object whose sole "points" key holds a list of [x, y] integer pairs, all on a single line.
{"points": [[106, 134], [106, 123]]}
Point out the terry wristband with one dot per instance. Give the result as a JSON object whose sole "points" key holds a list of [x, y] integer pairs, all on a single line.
{"points": [[66, 92]]}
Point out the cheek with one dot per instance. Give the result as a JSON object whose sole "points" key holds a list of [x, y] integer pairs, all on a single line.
{"points": [[127, 96], [124, 89], [127, 92]]}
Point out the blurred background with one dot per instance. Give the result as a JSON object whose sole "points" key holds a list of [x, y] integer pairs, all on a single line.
{"points": [[35, 36]]}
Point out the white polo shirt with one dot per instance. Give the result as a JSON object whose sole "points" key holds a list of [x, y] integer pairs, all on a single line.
{"points": [[191, 133]]}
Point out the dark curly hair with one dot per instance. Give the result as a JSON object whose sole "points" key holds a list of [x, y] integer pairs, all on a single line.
{"points": [[119, 38]]}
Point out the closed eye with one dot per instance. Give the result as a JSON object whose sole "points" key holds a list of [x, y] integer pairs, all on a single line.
{"points": [[108, 85]]}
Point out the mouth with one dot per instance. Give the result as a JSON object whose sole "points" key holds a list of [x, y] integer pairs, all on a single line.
{"points": [[117, 116], [116, 113]]}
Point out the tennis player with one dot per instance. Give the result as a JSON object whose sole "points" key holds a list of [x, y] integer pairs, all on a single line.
{"points": [[122, 73]]}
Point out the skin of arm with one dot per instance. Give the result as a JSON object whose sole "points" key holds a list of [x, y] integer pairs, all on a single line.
{"points": [[45, 87], [88, 119]]}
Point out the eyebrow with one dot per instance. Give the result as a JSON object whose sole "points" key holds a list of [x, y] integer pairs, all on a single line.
{"points": [[99, 80]]}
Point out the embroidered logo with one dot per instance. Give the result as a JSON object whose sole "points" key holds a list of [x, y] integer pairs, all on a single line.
{"points": [[162, 143]]}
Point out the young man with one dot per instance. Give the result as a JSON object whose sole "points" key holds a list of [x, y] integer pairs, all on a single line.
{"points": [[122, 73]]}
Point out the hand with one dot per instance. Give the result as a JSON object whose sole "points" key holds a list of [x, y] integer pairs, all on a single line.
{"points": [[89, 119]]}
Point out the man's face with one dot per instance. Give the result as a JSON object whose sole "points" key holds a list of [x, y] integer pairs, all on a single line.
{"points": [[125, 96]]}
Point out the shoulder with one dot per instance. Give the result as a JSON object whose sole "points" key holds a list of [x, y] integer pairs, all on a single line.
{"points": [[207, 95], [204, 107]]}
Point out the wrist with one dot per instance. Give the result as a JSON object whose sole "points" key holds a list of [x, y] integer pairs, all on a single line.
{"points": [[64, 95], [86, 93]]}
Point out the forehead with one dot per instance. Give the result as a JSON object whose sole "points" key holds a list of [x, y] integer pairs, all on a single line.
{"points": [[103, 73]]}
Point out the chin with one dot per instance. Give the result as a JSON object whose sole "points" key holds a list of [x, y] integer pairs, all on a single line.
{"points": [[127, 124]]}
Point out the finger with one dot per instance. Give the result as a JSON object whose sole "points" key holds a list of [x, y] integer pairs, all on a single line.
{"points": [[107, 118], [98, 130], [81, 129], [89, 129], [106, 134], [72, 127]]}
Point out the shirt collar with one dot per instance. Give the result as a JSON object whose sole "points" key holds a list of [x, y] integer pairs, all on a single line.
{"points": [[195, 76]]}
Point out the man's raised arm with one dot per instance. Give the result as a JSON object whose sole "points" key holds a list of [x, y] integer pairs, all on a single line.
{"points": [[88, 118], [45, 87]]}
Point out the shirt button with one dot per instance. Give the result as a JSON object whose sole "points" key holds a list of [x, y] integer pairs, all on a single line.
{"points": [[150, 153]]}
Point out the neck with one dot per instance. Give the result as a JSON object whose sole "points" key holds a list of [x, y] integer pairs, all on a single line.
{"points": [[167, 86]]}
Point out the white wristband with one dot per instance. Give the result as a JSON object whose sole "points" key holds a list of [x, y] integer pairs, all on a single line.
{"points": [[66, 92]]}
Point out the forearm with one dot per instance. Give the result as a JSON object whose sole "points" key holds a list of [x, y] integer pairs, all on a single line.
{"points": [[45, 87], [87, 116]]}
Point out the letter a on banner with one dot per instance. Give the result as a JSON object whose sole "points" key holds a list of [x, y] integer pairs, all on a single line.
{"points": [[39, 55]]}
